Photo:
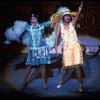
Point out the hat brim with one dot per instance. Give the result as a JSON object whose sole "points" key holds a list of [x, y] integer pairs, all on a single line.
{"points": [[73, 13]]}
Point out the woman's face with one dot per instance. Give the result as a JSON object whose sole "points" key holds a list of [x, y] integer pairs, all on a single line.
{"points": [[67, 18], [34, 20]]}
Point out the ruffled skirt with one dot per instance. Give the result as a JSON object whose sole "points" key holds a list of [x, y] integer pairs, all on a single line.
{"points": [[38, 56]]}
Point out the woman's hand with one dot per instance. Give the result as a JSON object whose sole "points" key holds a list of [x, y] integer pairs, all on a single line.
{"points": [[56, 52], [80, 7]]}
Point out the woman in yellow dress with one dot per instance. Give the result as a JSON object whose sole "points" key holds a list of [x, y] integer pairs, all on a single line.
{"points": [[72, 52]]}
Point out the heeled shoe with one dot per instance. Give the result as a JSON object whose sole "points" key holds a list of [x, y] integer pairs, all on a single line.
{"points": [[59, 86], [80, 89], [45, 87], [24, 86]]}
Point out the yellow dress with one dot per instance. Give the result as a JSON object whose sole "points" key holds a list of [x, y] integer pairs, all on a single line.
{"points": [[72, 52]]}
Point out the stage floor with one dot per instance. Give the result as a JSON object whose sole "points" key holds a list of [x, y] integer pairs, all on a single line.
{"points": [[12, 71]]}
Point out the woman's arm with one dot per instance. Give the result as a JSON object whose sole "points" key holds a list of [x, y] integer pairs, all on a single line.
{"points": [[56, 39], [77, 16], [47, 23]]}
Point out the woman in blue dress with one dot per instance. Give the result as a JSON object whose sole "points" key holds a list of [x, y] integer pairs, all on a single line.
{"points": [[38, 54]]}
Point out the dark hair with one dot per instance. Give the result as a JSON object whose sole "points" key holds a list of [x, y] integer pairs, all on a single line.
{"points": [[35, 15], [67, 15]]}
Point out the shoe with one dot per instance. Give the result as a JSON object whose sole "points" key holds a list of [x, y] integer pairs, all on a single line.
{"points": [[59, 86], [45, 87], [80, 90], [24, 86]]}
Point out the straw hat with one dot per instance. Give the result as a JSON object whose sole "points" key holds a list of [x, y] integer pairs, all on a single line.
{"points": [[73, 13]]}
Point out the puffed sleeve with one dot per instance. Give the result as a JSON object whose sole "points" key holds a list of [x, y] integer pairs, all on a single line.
{"points": [[47, 23]]}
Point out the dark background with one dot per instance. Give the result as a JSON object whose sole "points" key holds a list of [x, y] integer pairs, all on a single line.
{"points": [[21, 10], [11, 11]]}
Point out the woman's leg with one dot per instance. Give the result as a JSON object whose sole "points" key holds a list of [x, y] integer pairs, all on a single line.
{"points": [[34, 75], [69, 74], [63, 73], [79, 77], [43, 74], [64, 78], [27, 72]]}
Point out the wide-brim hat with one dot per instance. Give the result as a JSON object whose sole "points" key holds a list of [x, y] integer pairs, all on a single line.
{"points": [[73, 13]]}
